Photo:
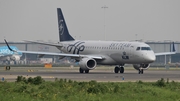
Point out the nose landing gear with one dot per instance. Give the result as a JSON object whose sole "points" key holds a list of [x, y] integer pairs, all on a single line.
{"points": [[141, 71]]}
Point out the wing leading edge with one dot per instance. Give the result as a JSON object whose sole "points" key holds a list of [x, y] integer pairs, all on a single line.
{"points": [[164, 53]]}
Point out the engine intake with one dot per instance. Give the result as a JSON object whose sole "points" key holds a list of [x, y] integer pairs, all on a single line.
{"points": [[141, 66], [87, 64]]}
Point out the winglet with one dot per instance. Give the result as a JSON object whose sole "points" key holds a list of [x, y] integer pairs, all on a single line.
{"points": [[173, 47], [9, 46]]}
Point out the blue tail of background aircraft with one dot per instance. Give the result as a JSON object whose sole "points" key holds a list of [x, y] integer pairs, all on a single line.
{"points": [[63, 30], [4, 51]]}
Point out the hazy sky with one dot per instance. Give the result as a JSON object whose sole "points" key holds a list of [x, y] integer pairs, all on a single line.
{"points": [[155, 20]]}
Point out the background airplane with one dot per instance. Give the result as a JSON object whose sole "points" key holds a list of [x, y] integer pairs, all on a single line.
{"points": [[91, 53], [7, 55]]}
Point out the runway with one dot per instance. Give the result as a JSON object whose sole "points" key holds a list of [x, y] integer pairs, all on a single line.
{"points": [[100, 75]]}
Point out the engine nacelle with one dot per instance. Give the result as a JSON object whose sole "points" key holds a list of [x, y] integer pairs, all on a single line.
{"points": [[87, 64], [141, 66], [15, 57]]}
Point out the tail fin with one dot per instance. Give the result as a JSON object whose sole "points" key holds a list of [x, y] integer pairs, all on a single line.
{"points": [[9, 46], [63, 30]]}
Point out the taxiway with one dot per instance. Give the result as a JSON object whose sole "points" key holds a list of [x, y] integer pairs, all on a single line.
{"points": [[100, 75]]}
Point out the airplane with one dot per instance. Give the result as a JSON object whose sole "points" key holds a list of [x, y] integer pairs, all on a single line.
{"points": [[7, 55], [89, 54]]}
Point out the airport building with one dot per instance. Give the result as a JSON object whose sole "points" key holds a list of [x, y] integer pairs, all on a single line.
{"points": [[165, 46]]}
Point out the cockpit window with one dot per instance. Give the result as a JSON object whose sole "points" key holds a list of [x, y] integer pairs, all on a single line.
{"points": [[138, 48], [145, 48]]}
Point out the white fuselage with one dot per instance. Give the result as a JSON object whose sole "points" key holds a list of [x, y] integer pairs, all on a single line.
{"points": [[113, 52]]}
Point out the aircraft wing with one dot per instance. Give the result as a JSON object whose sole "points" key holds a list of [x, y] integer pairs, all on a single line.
{"points": [[62, 54], [165, 53], [173, 51], [55, 54], [45, 43]]}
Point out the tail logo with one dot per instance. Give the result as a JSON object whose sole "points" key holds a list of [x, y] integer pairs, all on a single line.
{"points": [[61, 27]]}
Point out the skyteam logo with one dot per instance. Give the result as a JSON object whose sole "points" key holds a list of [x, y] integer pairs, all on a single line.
{"points": [[76, 47], [61, 27]]}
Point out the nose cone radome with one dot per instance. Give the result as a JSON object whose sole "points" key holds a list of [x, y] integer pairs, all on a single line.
{"points": [[150, 58]]}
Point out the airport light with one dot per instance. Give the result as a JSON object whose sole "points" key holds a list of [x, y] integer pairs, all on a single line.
{"points": [[104, 7], [136, 37]]}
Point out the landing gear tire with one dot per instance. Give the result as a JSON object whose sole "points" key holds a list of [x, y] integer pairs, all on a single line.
{"points": [[81, 70], [141, 71], [121, 69], [116, 69], [86, 71]]}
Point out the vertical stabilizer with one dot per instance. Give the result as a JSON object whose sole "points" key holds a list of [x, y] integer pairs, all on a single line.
{"points": [[63, 30]]}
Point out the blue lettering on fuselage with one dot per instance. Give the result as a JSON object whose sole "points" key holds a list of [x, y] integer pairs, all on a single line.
{"points": [[79, 46], [76, 47], [119, 45]]}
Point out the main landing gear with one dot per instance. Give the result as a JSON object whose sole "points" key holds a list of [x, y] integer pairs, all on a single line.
{"points": [[119, 68], [82, 70]]}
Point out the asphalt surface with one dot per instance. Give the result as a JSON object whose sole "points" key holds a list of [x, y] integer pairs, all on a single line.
{"points": [[100, 75]]}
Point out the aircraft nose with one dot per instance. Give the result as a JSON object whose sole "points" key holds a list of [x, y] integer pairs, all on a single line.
{"points": [[150, 58]]}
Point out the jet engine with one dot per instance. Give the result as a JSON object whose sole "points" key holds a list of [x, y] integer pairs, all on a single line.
{"points": [[141, 66], [87, 64], [15, 57]]}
